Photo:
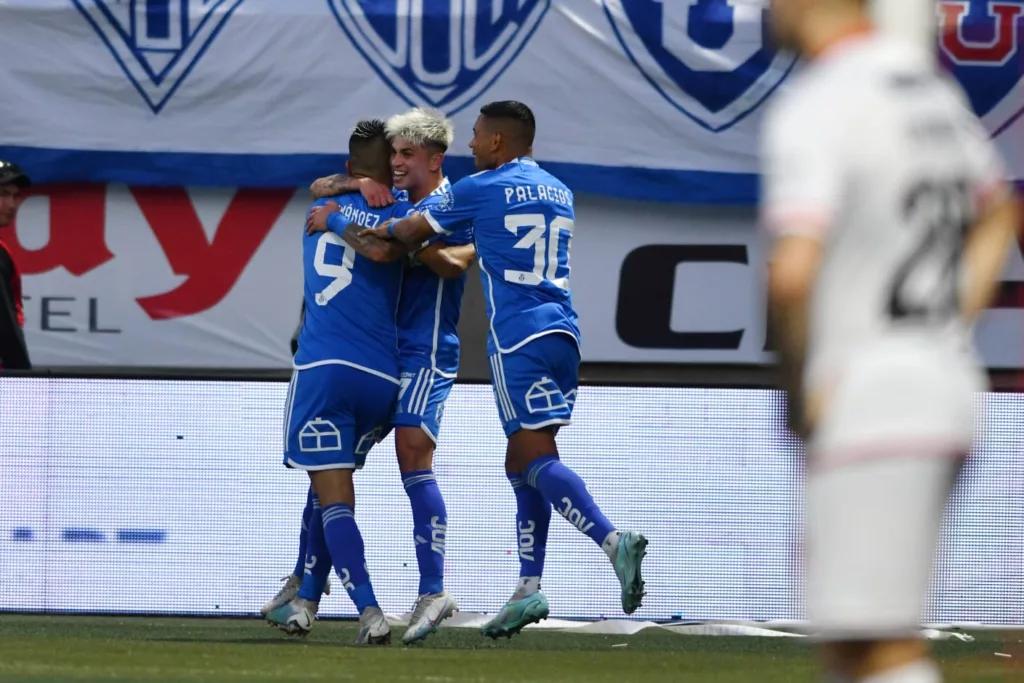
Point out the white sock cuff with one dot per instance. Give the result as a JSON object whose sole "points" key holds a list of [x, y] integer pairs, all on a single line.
{"points": [[610, 545], [528, 585]]}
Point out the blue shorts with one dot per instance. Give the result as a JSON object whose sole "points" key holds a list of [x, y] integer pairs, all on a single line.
{"points": [[421, 400], [535, 385], [334, 415]]}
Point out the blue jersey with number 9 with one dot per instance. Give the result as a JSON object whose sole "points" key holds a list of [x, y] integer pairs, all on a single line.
{"points": [[351, 301], [522, 218]]}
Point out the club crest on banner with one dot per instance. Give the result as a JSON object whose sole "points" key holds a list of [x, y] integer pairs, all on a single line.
{"points": [[980, 42], [157, 42], [439, 54], [711, 59]]}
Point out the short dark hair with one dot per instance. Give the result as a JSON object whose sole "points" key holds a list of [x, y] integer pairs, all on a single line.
{"points": [[515, 112], [369, 149]]}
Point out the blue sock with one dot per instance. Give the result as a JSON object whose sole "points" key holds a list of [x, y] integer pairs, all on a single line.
{"points": [[564, 489], [533, 517], [300, 563], [430, 521], [318, 557], [346, 546]]}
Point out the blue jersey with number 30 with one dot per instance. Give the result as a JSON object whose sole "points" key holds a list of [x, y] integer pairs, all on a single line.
{"points": [[522, 218], [351, 302]]}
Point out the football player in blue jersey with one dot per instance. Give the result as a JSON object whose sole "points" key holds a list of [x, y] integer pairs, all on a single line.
{"points": [[522, 219], [293, 581], [428, 343], [345, 381]]}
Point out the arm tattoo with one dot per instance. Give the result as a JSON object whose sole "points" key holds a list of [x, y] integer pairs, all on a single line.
{"points": [[370, 246], [341, 184]]}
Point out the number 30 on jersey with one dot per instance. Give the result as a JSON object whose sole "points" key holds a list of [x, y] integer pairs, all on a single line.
{"points": [[543, 238]]}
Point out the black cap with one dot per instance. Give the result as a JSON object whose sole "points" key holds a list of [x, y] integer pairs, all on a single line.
{"points": [[12, 173]]}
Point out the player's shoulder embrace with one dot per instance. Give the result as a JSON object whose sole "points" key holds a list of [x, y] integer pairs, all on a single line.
{"points": [[322, 201], [402, 208]]}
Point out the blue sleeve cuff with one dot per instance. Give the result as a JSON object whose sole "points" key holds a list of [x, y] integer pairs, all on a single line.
{"points": [[337, 223]]}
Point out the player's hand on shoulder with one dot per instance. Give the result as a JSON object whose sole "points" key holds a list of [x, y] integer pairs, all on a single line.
{"points": [[316, 221], [376, 195]]}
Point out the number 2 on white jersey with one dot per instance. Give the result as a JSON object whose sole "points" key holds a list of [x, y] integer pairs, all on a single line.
{"points": [[543, 239], [940, 210], [342, 273]]}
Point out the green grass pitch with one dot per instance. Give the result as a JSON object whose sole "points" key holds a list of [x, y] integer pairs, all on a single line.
{"points": [[37, 648]]}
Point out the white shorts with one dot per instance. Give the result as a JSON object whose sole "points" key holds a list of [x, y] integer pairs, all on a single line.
{"points": [[871, 533], [881, 465], [898, 397]]}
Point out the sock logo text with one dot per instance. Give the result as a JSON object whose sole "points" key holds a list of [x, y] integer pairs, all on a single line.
{"points": [[574, 516], [346, 580], [526, 539], [437, 531]]}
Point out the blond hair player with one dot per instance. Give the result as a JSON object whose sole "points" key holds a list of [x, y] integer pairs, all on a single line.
{"points": [[892, 222]]}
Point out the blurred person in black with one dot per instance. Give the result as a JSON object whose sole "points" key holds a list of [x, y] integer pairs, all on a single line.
{"points": [[13, 351]]}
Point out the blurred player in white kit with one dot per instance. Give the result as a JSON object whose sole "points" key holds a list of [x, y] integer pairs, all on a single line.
{"points": [[892, 221]]}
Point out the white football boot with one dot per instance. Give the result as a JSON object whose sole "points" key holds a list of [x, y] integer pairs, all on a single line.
{"points": [[373, 628], [294, 618], [428, 614], [288, 591]]}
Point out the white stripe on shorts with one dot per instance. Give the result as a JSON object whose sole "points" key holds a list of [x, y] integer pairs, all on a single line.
{"points": [[289, 405], [504, 388], [500, 388], [428, 387], [414, 394]]}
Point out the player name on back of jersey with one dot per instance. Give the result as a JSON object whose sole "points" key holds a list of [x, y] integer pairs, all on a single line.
{"points": [[533, 193], [364, 218]]}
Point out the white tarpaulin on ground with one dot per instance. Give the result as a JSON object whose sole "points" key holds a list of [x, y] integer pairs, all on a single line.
{"points": [[625, 627]]}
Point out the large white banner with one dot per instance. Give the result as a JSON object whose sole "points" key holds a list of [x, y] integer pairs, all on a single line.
{"points": [[213, 278], [652, 99], [170, 497]]}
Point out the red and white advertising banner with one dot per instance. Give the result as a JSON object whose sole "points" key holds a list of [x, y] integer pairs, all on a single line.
{"points": [[169, 277], [159, 276]]}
